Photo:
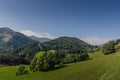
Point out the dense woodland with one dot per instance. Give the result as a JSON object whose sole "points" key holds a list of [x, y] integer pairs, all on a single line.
{"points": [[25, 54], [20, 49]]}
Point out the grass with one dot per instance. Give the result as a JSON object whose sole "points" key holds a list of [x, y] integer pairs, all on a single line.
{"points": [[99, 67], [2, 65]]}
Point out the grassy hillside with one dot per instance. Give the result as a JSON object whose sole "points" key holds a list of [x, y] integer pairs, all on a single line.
{"points": [[99, 67]]}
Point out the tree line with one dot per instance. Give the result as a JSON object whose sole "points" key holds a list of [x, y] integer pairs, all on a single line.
{"points": [[47, 60]]}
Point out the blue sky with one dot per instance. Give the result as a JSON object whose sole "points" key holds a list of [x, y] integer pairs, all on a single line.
{"points": [[95, 21]]}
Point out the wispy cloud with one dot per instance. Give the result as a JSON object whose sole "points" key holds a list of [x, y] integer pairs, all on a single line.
{"points": [[90, 40], [96, 40], [40, 35]]}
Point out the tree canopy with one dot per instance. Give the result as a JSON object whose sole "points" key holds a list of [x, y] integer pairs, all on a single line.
{"points": [[44, 61], [109, 47]]}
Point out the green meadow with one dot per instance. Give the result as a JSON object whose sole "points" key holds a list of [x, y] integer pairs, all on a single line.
{"points": [[98, 67]]}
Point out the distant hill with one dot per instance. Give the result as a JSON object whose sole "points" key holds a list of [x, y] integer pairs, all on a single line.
{"points": [[10, 40], [62, 43], [66, 43], [40, 39]]}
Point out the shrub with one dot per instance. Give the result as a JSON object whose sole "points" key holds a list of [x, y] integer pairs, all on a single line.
{"points": [[21, 71], [71, 58], [44, 61], [109, 47]]}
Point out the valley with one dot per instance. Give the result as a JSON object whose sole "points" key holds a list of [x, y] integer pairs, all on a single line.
{"points": [[99, 67], [59, 40], [63, 58]]}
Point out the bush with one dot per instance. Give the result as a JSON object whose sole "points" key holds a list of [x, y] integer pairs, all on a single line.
{"points": [[44, 61], [71, 58], [21, 71], [48, 60], [83, 57], [109, 47]]}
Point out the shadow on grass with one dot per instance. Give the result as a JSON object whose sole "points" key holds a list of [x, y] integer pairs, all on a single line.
{"points": [[56, 68], [84, 60], [65, 65], [89, 59], [60, 67]]}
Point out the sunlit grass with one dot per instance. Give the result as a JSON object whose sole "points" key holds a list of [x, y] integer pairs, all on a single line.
{"points": [[99, 67]]}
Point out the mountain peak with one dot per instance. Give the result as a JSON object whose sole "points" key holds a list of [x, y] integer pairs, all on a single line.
{"points": [[6, 29], [70, 38], [10, 39], [66, 43]]}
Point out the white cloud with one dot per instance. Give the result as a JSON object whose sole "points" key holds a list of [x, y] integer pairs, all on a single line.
{"points": [[96, 40], [43, 35], [90, 40]]}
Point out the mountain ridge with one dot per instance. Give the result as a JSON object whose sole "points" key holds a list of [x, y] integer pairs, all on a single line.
{"points": [[10, 39], [66, 42], [40, 39]]}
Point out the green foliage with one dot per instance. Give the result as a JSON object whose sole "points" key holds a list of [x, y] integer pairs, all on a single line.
{"points": [[63, 45], [109, 47], [10, 40], [33, 64], [94, 69], [117, 47], [8, 59], [66, 43], [28, 50], [70, 58], [22, 55], [41, 63], [118, 41], [44, 61], [100, 67], [53, 58], [47, 60], [21, 71]]}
